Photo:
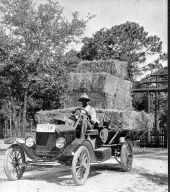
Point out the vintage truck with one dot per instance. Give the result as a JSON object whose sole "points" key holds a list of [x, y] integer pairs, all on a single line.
{"points": [[59, 141]]}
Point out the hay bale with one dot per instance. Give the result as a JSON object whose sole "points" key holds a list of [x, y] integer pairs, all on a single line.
{"points": [[102, 82], [105, 90], [100, 100], [47, 116], [124, 120], [113, 67], [130, 120], [143, 120], [88, 81]]}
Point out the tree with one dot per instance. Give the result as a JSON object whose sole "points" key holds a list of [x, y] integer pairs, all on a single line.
{"points": [[32, 47], [127, 42], [71, 60]]}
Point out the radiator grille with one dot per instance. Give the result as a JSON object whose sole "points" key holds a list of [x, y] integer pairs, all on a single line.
{"points": [[46, 139]]}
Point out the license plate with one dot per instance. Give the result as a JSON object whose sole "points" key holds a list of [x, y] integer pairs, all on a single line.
{"points": [[46, 128]]}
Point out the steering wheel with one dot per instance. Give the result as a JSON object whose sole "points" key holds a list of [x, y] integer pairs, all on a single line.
{"points": [[80, 112]]}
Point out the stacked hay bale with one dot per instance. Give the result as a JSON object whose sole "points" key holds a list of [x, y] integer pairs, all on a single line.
{"points": [[113, 67], [105, 90], [110, 92], [104, 82], [120, 119]]}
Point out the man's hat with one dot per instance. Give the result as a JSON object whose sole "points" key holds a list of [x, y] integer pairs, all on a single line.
{"points": [[84, 96]]}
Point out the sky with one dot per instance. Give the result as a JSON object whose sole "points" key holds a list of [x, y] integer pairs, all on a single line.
{"points": [[151, 14]]}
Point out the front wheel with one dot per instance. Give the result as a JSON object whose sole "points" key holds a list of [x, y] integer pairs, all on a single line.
{"points": [[80, 165], [14, 158], [126, 155]]}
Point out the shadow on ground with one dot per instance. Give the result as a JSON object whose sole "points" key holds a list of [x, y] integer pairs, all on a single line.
{"points": [[62, 176], [159, 179]]}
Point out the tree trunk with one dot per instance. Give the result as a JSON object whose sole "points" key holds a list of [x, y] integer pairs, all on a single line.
{"points": [[14, 117], [6, 128], [10, 120], [24, 114], [19, 120], [15, 121]]}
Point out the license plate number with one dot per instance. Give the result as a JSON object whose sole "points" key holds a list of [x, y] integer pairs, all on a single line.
{"points": [[46, 128]]}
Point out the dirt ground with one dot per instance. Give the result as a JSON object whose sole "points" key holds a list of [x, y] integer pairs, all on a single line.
{"points": [[149, 173]]}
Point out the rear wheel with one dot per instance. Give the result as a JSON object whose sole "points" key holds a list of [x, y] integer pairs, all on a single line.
{"points": [[80, 165], [14, 158], [126, 155]]}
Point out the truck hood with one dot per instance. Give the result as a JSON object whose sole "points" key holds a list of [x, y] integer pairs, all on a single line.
{"points": [[65, 128]]}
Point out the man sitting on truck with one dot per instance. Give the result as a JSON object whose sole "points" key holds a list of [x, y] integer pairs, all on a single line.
{"points": [[88, 122]]}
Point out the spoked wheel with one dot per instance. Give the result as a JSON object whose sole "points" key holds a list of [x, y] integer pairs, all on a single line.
{"points": [[14, 158], [126, 155], [80, 165]]}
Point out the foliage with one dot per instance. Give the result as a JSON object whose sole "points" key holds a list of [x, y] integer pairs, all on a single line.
{"points": [[71, 60], [32, 44], [127, 42]]}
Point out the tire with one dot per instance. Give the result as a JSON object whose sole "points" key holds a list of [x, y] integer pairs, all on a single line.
{"points": [[80, 165], [126, 156], [14, 157]]}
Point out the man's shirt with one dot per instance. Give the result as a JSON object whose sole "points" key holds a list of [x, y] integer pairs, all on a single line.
{"points": [[92, 112]]}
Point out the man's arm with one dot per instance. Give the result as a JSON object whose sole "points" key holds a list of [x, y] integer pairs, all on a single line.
{"points": [[92, 113]]}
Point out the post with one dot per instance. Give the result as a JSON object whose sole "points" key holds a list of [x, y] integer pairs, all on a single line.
{"points": [[5, 133], [156, 116], [31, 125], [149, 102], [165, 135], [149, 110]]}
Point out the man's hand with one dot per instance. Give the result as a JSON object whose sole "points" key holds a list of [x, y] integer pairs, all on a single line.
{"points": [[87, 114], [76, 116]]}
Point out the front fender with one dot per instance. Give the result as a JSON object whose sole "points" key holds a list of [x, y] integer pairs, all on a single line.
{"points": [[28, 151], [72, 148], [10, 140]]}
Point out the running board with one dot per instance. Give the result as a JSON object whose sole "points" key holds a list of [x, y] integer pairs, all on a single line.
{"points": [[136, 141], [42, 163], [111, 145]]}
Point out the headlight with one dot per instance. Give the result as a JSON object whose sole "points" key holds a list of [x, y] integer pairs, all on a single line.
{"points": [[60, 142], [20, 140], [29, 141]]}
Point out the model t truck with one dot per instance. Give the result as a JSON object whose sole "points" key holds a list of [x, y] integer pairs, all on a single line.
{"points": [[59, 140]]}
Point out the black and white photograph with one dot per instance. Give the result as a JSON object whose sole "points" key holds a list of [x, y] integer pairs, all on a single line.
{"points": [[84, 96]]}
